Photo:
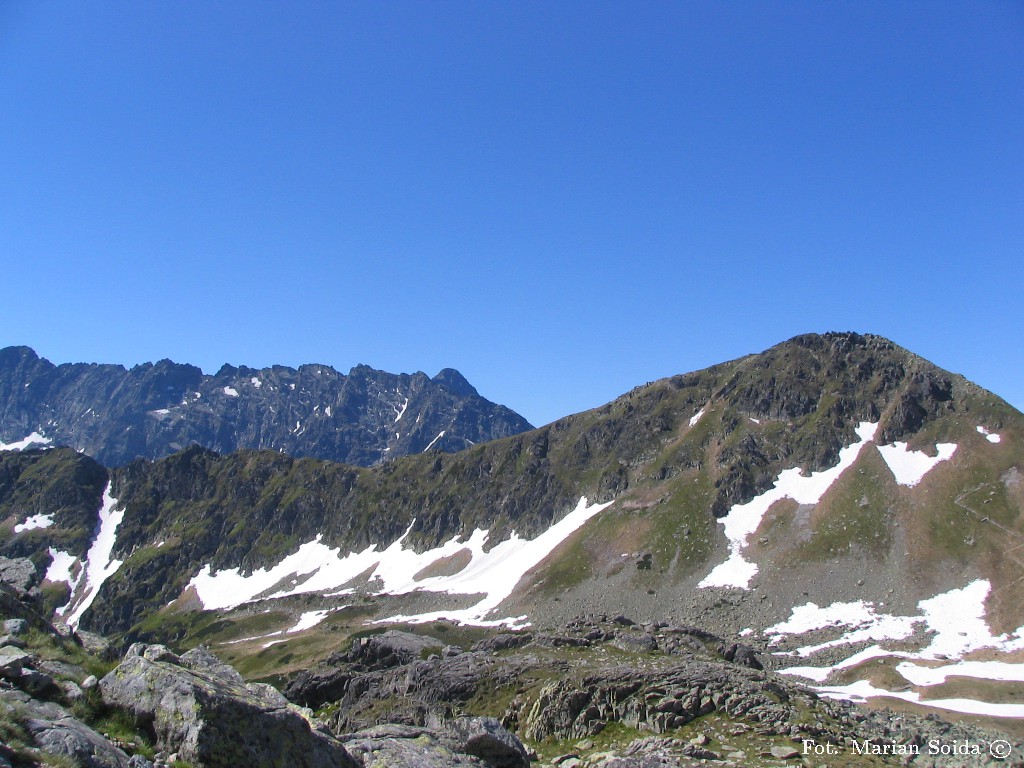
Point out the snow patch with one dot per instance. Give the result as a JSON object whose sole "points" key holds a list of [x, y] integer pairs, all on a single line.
{"points": [[696, 417], [99, 566], [439, 436], [327, 410], [992, 437], [19, 445], [256, 382], [309, 620], [315, 567], [60, 567], [496, 573], [743, 519], [910, 467], [861, 615], [821, 674], [401, 411], [983, 670], [862, 690], [957, 619], [33, 522], [230, 391]]}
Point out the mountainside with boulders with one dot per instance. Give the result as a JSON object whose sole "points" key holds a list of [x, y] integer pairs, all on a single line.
{"points": [[600, 692], [846, 510]]}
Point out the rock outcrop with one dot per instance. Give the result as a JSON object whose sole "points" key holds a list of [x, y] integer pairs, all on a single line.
{"points": [[693, 698], [203, 711]]}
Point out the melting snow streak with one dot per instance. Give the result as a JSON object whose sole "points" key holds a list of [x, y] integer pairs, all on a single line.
{"points": [[743, 519], [19, 445], [315, 567], [98, 564], [439, 436]]}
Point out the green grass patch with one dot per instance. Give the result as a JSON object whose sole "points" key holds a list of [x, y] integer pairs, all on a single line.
{"points": [[857, 513]]}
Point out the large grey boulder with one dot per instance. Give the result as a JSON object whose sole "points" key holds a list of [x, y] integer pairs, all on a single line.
{"points": [[202, 710], [489, 740], [404, 746], [391, 649], [53, 729], [19, 573]]}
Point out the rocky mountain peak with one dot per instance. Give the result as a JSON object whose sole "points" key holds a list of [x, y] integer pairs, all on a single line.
{"points": [[152, 410], [455, 382]]}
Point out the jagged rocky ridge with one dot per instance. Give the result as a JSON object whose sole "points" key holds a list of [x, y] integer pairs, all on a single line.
{"points": [[152, 410]]}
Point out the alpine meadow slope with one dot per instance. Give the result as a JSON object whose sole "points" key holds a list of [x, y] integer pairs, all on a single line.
{"points": [[846, 508]]}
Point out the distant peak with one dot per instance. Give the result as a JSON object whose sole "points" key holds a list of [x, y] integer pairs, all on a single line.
{"points": [[455, 381], [15, 353]]}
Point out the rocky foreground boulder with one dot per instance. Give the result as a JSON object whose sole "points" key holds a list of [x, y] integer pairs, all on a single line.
{"points": [[202, 710]]}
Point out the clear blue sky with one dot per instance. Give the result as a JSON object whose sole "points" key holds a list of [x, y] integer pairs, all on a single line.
{"points": [[560, 199]]}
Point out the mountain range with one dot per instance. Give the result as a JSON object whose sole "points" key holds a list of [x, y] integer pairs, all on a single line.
{"points": [[153, 410], [847, 510]]}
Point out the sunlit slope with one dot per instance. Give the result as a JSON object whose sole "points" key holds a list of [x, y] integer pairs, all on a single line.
{"points": [[903, 515]]}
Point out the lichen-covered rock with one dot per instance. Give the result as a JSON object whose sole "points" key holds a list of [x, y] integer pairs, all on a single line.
{"points": [[486, 738], [388, 746], [204, 712], [19, 573], [54, 730], [390, 649]]}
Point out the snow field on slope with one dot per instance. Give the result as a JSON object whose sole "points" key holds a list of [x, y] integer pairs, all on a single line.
{"points": [[957, 620], [743, 519], [97, 567], [317, 568], [908, 468], [862, 690], [19, 445], [34, 522]]}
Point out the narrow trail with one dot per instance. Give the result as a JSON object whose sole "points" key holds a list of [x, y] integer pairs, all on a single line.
{"points": [[1009, 554]]}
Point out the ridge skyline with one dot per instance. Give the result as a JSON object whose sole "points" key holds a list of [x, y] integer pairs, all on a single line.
{"points": [[1013, 396]]}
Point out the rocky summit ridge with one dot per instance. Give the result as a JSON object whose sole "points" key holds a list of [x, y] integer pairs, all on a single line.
{"points": [[152, 410], [846, 511]]}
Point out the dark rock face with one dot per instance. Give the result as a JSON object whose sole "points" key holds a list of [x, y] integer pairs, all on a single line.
{"points": [[152, 410], [408, 747], [60, 484], [202, 710], [390, 649], [486, 738]]}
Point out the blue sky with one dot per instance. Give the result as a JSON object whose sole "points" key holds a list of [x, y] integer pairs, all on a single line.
{"points": [[562, 200]]}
